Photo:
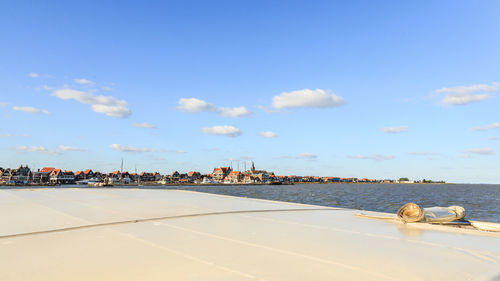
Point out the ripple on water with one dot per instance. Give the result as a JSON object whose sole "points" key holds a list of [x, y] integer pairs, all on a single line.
{"points": [[480, 201]]}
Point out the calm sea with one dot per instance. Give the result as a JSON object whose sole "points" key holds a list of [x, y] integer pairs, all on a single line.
{"points": [[481, 201]]}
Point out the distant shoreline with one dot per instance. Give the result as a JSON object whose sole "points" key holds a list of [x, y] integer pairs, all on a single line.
{"points": [[215, 184]]}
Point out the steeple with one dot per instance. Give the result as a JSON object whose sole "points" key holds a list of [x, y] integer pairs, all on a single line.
{"points": [[253, 167]]}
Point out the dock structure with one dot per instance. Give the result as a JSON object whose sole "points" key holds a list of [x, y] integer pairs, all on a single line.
{"points": [[140, 234]]}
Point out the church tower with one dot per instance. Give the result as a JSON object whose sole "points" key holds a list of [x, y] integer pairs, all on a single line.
{"points": [[253, 167]]}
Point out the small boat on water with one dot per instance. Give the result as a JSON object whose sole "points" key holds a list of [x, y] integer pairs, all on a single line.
{"points": [[207, 180], [106, 183], [87, 182]]}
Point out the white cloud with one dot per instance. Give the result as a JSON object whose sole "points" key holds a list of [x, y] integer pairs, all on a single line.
{"points": [[144, 125], [14, 135], [107, 88], [303, 155], [462, 95], [375, 157], [177, 151], [480, 151], [30, 109], [457, 99], [494, 138], [394, 130], [486, 127], [423, 153], [59, 150], [197, 105], [234, 112], [226, 130], [83, 81], [131, 149], [44, 87], [32, 148], [33, 75], [306, 98], [268, 134], [307, 156], [65, 148], [107, 105]]}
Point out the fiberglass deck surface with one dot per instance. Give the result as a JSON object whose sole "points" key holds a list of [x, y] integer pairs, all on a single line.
{"points": [[137, 234]]}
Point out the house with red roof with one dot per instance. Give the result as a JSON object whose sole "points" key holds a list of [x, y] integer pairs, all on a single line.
{"points": [[78, 175], [175, 176], [331, 179], [219, 174], [147, 176], [234, 177], [157, 176], [42, 176], [47, 169], [193, 176], [58, 176]]}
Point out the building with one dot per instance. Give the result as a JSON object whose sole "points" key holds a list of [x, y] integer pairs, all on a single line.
{"points": [[5, 175], [42, 176], [221, 173], [57, 176], [116, 176], [21, 175], [144, 177], [234, 177], [175, 176], [88, 174], [262, 175], [193, 176]]}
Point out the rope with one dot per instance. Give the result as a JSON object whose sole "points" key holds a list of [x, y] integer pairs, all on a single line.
{"points": [[157, 219]]}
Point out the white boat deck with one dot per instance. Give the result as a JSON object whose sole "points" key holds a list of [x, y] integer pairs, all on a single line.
{"points": [[138, 234]]}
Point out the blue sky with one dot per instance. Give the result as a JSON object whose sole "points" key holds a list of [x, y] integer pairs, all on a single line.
{"points": [[378, 89]]}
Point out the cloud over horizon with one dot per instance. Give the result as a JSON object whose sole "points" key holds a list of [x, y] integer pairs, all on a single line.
{"points": [[144, 125], [30, 109], [423, 153], [394, 130], [196, 105], [14, 135], [33, 75], [374, 157], [177, 151], [225, 130], [481, 151], [57, 151], [83, 81], [462, 95], [304, 155], [268, 134], [130, 149], [486, 127], [107, 105], [306, 98]]}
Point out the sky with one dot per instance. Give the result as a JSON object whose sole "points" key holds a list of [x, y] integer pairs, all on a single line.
{"points": [[368, 89]]}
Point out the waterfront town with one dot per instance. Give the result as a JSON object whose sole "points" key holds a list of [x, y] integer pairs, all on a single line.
{"points": [[23, 175]]}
